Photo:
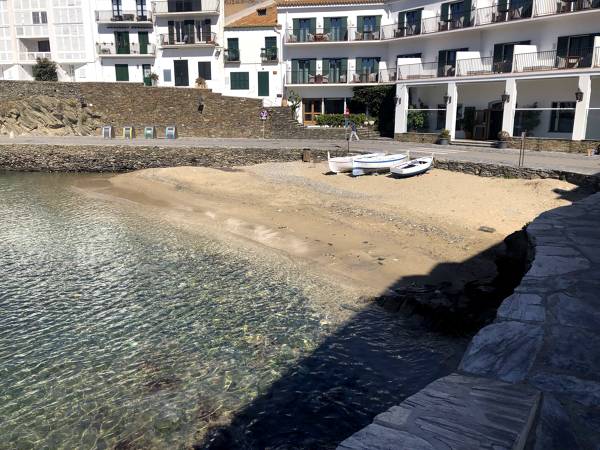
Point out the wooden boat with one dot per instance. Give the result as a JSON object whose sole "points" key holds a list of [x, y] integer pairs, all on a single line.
{"points": [[380, 163], [413, 167], [341, 164]]}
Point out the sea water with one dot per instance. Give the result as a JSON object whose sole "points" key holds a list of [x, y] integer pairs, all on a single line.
{"points": [[120, 331]]}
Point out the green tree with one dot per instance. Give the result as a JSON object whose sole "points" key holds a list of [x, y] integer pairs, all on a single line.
{"points": [[294, 101], [45, 70], [377, 102]]}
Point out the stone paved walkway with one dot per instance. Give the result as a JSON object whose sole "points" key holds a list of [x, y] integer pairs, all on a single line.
{"points": [[576, 163], [545, 343]]}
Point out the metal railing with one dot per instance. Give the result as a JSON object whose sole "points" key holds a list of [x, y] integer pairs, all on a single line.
{"points": [[33, 56], [200, 37], [231, 55], [417, 71], [482, 66], [32, 30], [123, 16], [110, 49], [185, 6], [498, 12], [550, 60], [549, 7], [269, 54], [336, 76]]}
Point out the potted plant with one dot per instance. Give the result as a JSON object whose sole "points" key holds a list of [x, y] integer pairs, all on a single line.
{"points": [[503, 138], [200, 83], [153, 78], [444, 137]]}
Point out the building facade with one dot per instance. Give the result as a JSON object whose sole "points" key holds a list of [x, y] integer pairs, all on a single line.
{"points": [[473, 67]]}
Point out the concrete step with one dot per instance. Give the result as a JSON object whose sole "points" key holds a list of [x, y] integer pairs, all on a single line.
{"points": [[471, 143]]}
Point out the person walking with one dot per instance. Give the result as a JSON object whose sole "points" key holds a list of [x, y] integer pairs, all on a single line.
{"points": [[353, 132]]}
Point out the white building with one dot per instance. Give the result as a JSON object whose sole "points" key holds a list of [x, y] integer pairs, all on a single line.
{"points": [[55, 29], [253, 56], [472, 67]]}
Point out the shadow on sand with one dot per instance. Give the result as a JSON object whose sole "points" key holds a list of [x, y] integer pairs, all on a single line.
{"points": [[387, 351]]}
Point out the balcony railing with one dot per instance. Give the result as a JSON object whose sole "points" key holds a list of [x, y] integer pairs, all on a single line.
{"points": [[498, 12], [269, 55], [33, 56], [334, 76], [123, 16], [181, 7], [232, 55], [200, 38], [32, 30], [524, 62], [134, 49]]}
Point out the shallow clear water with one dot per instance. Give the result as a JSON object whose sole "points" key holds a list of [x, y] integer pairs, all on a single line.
{"points": [[117, 331]]}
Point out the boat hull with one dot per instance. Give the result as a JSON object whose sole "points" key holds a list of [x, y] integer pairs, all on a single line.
{"points": [[345, 163], [412, 168], [376, 164]]}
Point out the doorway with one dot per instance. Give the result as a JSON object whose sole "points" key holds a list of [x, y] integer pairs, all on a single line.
{"points": [[495, 114], [146, 71], [311, 109], [263, 84], [122, 72], [122, 42], [181, 73], [143, 42]]}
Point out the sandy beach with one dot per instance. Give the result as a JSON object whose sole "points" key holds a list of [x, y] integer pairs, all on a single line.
{"points": [[363, 234]]}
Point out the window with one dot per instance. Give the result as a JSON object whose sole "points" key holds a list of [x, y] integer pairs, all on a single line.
{"points": [[44, 46], [122, 72], [334, 106], [140, 7], [562, 117], [410, 55], [239, 80], [167, 75], [39, 17], [117, 9], [233, 49], [204, 70], [261, 11]]}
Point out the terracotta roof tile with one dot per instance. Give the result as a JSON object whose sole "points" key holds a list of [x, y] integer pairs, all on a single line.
{"points": [[286, 3], [254, 20]]}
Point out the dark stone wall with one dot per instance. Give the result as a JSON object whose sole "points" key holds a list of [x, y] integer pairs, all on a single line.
{"points": [[126, 158], [126, 104]]}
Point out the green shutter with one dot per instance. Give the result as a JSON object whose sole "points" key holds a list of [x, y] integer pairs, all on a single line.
{"points": [[344, 68], [502, 6], [358, 65], [441, 62], [344, 31], [467, 5], [326, 25], [418, 19], [263, 84], [313, 25], [376, 66], [143, 41], [562, 46], [325, 70], [402, 19], [445, 11], [377, 23], [360, 24], [312, 67], [122, 72], [498, 53], [295, 70], [171, 32], [296, 28]]}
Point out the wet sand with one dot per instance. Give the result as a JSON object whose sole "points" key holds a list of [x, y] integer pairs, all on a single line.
{"points": [[363, 234]]}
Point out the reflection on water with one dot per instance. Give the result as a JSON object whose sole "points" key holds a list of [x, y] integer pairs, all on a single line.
{"points": [[121, 332]]}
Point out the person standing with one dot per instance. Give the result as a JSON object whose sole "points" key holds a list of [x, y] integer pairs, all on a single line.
{"points": [[353, 132]]}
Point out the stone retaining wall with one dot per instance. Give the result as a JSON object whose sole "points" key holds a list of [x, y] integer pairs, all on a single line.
{"points": [[532, 378], [127, 104], [124, 158]]}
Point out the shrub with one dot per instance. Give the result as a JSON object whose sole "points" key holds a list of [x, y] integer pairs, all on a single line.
{"points": [[444, 134], [200, 83], [416, 120], [45, 70], [503, 136], [338, 120]]}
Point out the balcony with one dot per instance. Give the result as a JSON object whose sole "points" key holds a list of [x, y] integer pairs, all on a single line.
{"points": [[126, 17], [109, 49], [232, 55], [200, 39], [168, 8], [497, 13], [269, 55], [32, 31], [337, 77], [32, 57], [520, 63]]}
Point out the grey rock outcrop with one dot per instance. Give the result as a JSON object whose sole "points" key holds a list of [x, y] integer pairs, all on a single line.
{"points": [[43, 115]]}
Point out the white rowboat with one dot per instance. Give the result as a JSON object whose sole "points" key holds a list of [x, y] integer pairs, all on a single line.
{"points": [[341, 164], [380, 163], [412, 168]]}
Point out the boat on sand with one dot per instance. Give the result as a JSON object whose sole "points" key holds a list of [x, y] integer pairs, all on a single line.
{"points": [[341, 164], [379, 163], [412, 167]]}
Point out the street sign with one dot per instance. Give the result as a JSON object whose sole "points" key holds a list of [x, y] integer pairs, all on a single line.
{"points": [[264, 114]]}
